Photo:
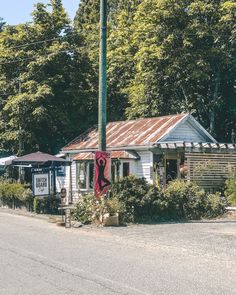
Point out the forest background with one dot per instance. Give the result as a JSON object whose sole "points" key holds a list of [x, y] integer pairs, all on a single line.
{"points": [[164, 57]]}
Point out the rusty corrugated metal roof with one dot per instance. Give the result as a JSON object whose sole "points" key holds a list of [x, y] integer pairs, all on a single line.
{"points": [[114, 155], [140, 132]]}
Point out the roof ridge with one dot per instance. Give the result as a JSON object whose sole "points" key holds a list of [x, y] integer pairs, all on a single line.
{"points": [[149, 118]]}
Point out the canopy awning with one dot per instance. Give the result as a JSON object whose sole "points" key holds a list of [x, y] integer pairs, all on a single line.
{"points": [[4, 160], [38, 159]]}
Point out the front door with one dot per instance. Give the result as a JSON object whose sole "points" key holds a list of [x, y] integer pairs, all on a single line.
{"points": [[171, 169]]}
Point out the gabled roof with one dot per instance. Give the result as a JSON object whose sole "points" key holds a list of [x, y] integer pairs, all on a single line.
{"points": [[134, 133]]}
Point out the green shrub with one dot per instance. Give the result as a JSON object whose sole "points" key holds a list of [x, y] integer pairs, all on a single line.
{"points": [[180, 200], [15, 195], [215, 205], [113, 206], [230, 191], [188, 201], [85, 209], [185, 200], [47, 204], [131, 192]]}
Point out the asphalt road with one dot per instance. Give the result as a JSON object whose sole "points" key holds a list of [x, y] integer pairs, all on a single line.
{"points": [[37, 257]]}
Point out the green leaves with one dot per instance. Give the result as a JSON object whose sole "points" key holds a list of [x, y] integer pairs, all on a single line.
{"points": [[45, 80], [183, 58]]}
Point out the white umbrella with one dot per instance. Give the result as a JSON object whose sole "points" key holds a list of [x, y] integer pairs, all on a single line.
{"points": [[6, 159]]}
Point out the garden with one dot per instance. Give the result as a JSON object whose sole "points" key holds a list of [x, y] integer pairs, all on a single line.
{"points": [[136, 201], [131, 199]]}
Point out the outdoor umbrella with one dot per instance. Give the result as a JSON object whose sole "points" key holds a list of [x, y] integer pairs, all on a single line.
{"points": [[38, 159]]}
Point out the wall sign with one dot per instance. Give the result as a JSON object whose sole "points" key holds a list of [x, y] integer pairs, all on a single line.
{"points": [[61, 171], [41, 184]]}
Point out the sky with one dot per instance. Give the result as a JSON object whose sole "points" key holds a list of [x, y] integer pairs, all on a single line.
{"points": [[19, 11]]}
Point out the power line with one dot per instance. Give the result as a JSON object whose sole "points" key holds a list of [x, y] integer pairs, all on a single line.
{"points": [[109, 30], [40, 41], [35, 57]]}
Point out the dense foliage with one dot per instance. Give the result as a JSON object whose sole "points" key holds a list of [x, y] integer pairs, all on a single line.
{"points": [[178, 201], [15, 195], [168, 56], [137, 201], [45, 83], [164, 56], [230, 189], [47, 205], [90, 209]]}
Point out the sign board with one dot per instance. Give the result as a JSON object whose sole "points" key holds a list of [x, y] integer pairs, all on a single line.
{"points": [[41, 184], [61, 171], [102, 177]]}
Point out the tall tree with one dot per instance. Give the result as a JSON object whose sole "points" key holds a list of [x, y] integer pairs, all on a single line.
{"points": [[2, 23], [45, 93], [120, 64], [185, 60]]}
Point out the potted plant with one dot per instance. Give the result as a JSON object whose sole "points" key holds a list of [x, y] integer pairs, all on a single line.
{"points": [[112, 208]]}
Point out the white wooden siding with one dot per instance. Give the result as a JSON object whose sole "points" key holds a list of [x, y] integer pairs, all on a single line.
{"points": [[144, 165], [63, 181], [187, 132]]}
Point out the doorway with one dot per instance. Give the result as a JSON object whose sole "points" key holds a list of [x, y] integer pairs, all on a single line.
{"points": [[171, 169]]}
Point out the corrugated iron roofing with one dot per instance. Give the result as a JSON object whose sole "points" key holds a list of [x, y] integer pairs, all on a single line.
{"points": [[114, 155], [140, 132]]}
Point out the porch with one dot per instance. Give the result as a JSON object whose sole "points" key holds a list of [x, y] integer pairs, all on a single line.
{"points": [[206, 164]]}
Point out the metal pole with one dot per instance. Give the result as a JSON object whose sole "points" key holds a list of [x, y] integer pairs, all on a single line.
{"points": [[20, 127], [20, 134], [70, 201], [102, 77]]}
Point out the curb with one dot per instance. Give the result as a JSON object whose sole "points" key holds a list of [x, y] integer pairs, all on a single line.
{"points": [[24, 213]]}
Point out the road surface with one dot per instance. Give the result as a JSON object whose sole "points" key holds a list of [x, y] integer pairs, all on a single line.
{"points": [[40, 258]]}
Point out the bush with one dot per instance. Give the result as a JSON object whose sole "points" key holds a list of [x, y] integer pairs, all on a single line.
{"points": [[137, 201], [15, 195], [85, 209], [179, 201], [185, 200], [47, 204], [230, 191], [112, 206], [89, 209], [131, 192], [215, 205], [37, 206], [154, 205]]}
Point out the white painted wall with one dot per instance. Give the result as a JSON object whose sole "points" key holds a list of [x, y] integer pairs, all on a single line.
{"points": [[144, 165], [139, 168], [64, 182], [186, 132]]}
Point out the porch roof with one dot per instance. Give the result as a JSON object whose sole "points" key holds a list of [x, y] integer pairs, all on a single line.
{"points": [[197, 145], [114, 155]]}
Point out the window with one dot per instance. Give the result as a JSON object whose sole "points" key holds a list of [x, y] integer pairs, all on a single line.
{"points": [[85, 175], [81, 175], [126, 169], [115, 170], [91, 174]]}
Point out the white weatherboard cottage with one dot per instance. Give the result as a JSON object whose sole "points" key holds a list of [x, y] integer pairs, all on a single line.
{"points": [[159, 149]]}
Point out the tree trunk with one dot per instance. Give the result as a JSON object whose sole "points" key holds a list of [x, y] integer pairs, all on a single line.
{"points": [[212, 122]]}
